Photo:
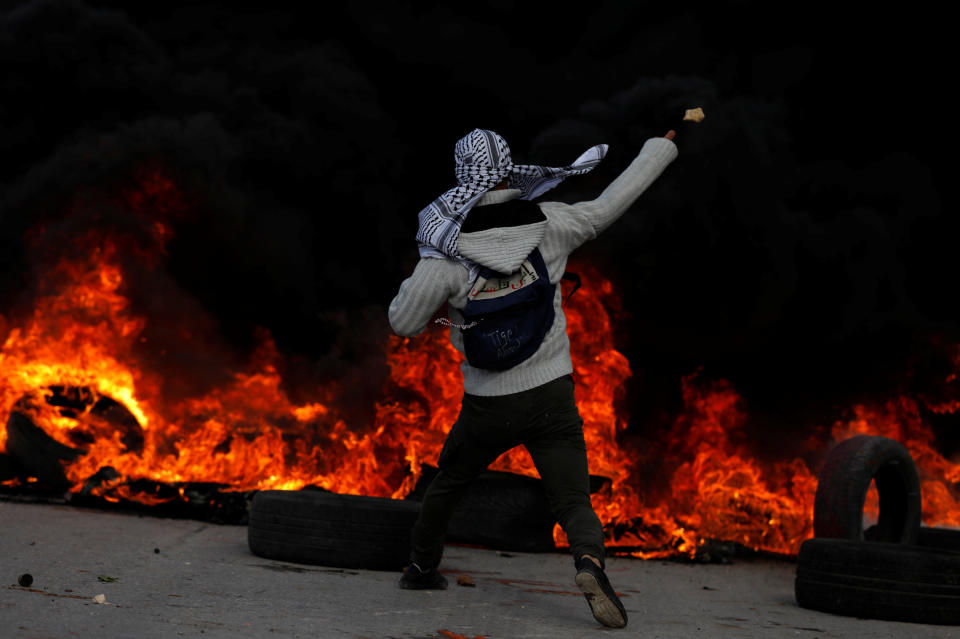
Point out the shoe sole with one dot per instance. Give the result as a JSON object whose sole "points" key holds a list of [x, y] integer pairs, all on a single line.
{"points": [[603, 609]]}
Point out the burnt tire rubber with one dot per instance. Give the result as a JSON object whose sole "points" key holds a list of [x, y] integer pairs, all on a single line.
{"points": [[843, 485], [329, 529], [39, 454], [879, 581]]}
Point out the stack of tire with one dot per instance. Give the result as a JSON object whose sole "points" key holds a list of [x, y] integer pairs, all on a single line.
{"points": [[896, 570]]}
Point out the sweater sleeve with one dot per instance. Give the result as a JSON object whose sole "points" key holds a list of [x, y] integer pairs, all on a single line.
{"points": [[573, 224], [432, 283]]}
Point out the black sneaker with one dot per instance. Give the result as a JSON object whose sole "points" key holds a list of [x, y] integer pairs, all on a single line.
{"points": [[415, 579], [603, 600]]}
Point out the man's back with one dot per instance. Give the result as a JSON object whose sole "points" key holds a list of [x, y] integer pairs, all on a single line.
{"points": [[562, 229]]}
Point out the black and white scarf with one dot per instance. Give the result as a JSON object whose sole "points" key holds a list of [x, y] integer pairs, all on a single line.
{"points": [[482, 161]]}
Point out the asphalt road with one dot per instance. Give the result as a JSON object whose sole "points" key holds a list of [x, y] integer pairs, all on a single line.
{"points": [[186, 578]]}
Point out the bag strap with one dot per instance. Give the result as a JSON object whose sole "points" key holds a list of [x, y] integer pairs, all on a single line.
{"points": [[571, 277]]}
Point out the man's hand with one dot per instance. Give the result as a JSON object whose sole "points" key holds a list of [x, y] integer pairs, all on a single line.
{"points": [[670, 135]]}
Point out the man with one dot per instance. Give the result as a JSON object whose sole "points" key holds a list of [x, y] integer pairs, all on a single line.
{"points": [[487, 229]]}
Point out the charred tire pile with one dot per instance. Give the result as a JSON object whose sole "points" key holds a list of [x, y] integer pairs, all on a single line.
{"points": [[898, 571], [328, 529]]}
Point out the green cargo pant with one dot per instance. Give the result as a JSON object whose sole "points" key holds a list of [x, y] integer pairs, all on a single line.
{"points": [[545, 420]]}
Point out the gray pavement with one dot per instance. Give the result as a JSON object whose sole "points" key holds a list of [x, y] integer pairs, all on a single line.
{"points": [[204, 582]]}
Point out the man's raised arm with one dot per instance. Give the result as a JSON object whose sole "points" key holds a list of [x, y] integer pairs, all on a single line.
{"points": [[582, 221]]}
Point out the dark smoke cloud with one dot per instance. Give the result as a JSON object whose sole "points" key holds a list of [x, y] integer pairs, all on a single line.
{"points": [[799, 246], [787, 274], [280, 140]]}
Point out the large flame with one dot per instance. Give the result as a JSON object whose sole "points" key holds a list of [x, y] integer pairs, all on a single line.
{"points": [[247, 433]]}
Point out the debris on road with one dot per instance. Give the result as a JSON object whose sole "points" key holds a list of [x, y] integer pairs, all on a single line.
{"points": [[106, 579], [100, 599], [25, 580], [466, 580]]}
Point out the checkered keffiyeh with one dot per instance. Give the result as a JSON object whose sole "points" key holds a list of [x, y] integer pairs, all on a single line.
{"points": [[482, 161]]}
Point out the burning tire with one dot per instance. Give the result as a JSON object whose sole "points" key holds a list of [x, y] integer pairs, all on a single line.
{"points": [[328, 529], [843, 485], [42, 456], [37, 453], [879, 580]]}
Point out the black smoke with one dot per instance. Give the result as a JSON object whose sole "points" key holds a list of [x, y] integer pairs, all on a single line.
{"points": [[801, 246]]}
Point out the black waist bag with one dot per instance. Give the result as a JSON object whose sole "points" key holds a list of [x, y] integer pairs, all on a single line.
{"points": [[508, 315]]}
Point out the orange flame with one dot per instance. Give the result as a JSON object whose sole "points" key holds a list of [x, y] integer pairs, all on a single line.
{"points": [[900, 419], [717, 489], [247, 433]]}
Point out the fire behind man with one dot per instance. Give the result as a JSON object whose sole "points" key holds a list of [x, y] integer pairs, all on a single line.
{"points": [[496, 257]]}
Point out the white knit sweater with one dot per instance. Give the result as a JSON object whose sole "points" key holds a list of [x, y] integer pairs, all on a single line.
{"points": [[567, 226]]}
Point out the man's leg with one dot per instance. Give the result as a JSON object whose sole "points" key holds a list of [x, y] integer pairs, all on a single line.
{"points": [[476, 439], [559, 452], [556, 444]]}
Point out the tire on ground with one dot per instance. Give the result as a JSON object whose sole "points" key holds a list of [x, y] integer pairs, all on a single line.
{"points": [[498, 510], [843, 485], [879, 581], [329, 529]]}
